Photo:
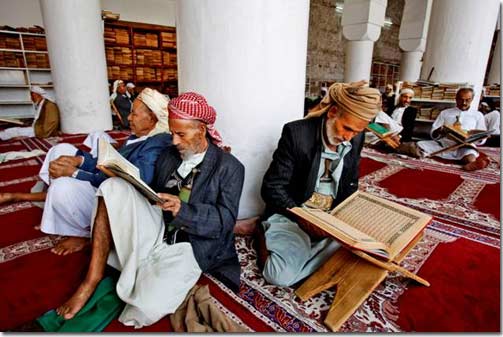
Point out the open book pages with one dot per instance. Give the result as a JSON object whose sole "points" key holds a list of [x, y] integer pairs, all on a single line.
{"points": [[466, 136], [120, 166], [369, 223]]}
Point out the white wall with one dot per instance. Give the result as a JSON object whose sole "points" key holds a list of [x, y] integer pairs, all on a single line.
{"points": [[20, 13], [157, 12], [26, 13]]}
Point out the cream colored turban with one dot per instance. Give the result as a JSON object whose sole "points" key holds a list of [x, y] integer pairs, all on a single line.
{"points": [[407, 91], [158, 103], [355, 98]]}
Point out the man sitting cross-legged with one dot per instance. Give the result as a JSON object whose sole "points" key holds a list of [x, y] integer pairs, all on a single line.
{"points": [[316, 163], [73, 177], [162, 249]]}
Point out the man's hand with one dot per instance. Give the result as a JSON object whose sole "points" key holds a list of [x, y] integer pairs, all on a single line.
{"points": [[64, 166], [171, 203], [74, 161]]}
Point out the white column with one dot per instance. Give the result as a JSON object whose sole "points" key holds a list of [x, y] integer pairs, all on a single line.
{"points": [[249, 60], [361, 21], [459, 41], [77, 54], [412, 36], [495, 70]]}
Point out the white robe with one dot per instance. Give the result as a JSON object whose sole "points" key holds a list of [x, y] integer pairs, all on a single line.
{"points": [[469, 119], [155, 277], [70, 202], [493, 121]]}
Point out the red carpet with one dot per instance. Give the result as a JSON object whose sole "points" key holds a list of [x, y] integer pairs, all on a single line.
{"points": [[418, 184], [488, 201], [459, 255], [465, 275]]}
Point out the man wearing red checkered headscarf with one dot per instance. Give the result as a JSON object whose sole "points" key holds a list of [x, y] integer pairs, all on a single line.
{"points": [[188, 232], [192, 106]]}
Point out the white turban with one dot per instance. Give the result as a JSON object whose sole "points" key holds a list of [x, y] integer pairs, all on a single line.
{"points": [[113, 96], [158, 103], [407, 91], [38, 90], [130, 85]]}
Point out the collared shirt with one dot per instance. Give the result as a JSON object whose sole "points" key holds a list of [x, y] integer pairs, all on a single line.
{"points": [[188, 164], [331, 186], [135, 140]]}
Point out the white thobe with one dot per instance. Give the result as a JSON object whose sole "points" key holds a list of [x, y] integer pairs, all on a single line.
{"points": [[493, 121], [470, 119], [155, 277], [70, 202]]}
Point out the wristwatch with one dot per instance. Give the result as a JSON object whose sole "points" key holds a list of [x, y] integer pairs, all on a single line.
{"points": [[75, 173]]}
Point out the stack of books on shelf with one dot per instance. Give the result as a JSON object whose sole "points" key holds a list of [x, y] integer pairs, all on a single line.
{"points": [[8, 41], [426, 92], [34, 43], [10, 59], [145, 40], [168, 39], [435, 91], [424, 113], [37, 60], [116, 72], [148, 74], [492, 90], [169, 74], [116, 35], [434, 113], [119, 55], [148, 57]]}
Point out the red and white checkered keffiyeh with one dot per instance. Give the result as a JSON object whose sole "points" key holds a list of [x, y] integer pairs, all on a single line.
{"points": [[194, 106]]}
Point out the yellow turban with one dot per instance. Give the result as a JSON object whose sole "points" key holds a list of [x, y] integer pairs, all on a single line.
{"points": [[355, 98]]}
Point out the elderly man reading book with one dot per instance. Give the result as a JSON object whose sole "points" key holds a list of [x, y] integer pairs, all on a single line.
{"points": [[73, 177], [463, 118], [316, 164], [162, 249]]}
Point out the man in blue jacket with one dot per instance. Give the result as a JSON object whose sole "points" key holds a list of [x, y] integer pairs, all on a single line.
{"points": [[73, 177], [162, 249]]}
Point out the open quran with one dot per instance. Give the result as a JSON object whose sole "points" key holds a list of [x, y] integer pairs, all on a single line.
{"points": [[368, 223], [113, 161], [466, 136]]}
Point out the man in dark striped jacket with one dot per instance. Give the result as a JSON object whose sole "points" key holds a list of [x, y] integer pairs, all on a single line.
{"points": [[316, 164]]}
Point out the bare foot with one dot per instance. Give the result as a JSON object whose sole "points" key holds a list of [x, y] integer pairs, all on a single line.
{"points": [[71, 307], [6, 197], [70, 245]]}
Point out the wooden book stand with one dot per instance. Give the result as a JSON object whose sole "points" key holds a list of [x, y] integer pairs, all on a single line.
{"points": [[355, 279]]}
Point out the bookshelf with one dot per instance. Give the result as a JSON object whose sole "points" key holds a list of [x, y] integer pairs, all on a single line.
{"points": [[142, 53], [24, 61]]}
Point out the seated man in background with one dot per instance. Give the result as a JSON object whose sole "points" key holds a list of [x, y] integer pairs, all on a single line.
{"points": [[463, 117], [316, 163], [162, 249], [120, 102], [46, 121], [73, 177], [492, 119], [388, 99], [404, 114]]}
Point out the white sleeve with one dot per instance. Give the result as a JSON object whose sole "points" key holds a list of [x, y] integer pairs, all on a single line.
{"points": [[437, 123]]}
